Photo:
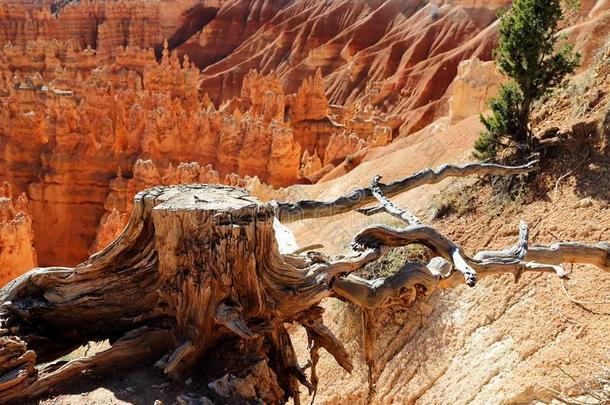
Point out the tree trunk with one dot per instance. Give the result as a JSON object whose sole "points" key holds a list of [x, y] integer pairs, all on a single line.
{"points": [[199, 262]]}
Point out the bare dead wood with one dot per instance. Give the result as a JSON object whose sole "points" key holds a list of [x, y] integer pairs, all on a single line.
{"points": [[305, 209], [597, 254], [415, 280], [389, 206], [321, 336], [199, 263], [138, 346], [369, 349]]}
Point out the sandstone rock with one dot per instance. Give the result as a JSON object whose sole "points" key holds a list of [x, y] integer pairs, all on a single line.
{"points": [[341, 145], [82, 125], [309, 103], [475, 83], [389, 54], [258, 384], [265, 95], [584, 203], [106, 25], [309, 165], [17, 255]]}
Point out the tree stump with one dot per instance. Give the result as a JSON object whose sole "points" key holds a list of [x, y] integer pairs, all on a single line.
{"points": [[198, 262], [210, 242]]}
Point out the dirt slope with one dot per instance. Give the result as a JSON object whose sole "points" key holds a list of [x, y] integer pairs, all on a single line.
{"points": [[499, 342]]}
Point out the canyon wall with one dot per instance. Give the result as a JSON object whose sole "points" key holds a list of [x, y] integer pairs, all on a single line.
{"points": [[399, 56], [93, 88], [17, 254], [288, 91], [84, 122], [475, 83], [101, 25], [81, 126]]}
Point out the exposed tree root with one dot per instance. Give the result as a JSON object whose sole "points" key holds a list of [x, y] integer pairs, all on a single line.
{"points": [[199, 264]]}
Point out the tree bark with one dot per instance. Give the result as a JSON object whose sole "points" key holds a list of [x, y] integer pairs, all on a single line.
{"points": [[305, 209]]}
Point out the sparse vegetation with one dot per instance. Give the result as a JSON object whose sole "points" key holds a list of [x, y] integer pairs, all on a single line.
{"points": [[455, 200], [527, 54], [576, 89], [394, 260], [593, 391]]}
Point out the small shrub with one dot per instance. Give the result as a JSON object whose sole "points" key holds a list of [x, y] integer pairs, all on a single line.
{"points": [[575, 91]]}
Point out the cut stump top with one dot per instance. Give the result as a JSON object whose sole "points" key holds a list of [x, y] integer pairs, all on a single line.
{"points": [[208, 197]]}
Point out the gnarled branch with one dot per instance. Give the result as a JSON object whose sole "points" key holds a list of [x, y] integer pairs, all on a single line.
{"points": [[389, 206], [597, 254], [415, 279], [288, 212]]}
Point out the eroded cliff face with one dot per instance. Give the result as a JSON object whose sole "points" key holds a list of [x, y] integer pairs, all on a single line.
{"points": [[86, 120], [102, 25], [17, 254], [475, 83], [264, 94], [399, 56], [93, 87]]}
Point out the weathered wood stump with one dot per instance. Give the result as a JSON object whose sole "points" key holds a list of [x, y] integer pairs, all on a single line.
{"points": [[195, 263], [198, 265]]}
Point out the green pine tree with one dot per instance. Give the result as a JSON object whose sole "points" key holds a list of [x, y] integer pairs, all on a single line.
{"points": [[527, 54]]}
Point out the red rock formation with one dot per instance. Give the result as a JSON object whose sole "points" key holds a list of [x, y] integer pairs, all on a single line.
{"points": [[82, 84], [400, 56], [103, 25], [341, 146], [82, 124], [476, 82], [310, 165], [235, 22], [309, 103], [17, 255]]}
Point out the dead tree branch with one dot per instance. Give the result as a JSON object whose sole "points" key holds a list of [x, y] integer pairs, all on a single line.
{"points": [[389, 206], [597, 254], [304, 209]]}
